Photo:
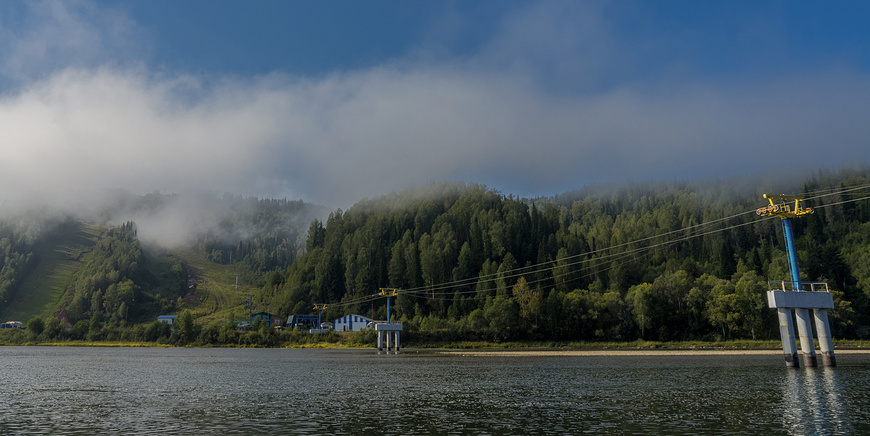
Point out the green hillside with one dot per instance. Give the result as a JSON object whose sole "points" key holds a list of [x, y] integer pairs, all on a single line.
{"points": [[667, 261], [58, 255], [213, 295], [674, 260]]}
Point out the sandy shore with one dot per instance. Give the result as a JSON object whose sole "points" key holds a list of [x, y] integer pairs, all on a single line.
{"points": [[624, 352]]}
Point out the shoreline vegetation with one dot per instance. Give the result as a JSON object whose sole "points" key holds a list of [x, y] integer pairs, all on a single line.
{"points": [[629, 352], [470, 269], [481, 348]]}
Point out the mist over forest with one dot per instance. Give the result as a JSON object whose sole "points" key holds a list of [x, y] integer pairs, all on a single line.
{"points": [[657, 260]]}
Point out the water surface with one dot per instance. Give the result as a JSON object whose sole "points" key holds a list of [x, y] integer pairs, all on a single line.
{"points": [[73, 390]]}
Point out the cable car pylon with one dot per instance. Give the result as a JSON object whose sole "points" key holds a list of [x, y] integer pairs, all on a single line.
{"points": [[389, 292], [392, 330], [319, 308], [792, 295]]}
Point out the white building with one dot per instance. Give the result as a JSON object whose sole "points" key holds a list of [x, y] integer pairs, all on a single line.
{"points": [[167, 319], [351, 323]]}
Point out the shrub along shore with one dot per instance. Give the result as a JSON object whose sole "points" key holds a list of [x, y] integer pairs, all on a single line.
{"points": [[184, 332], [229, 337]]}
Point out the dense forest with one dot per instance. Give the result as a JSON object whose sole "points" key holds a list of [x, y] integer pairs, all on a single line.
{"points": [[122, 281], [265, 234], [120, 278], [117, 282], [667, 260], [662, 261], [16, 252]]}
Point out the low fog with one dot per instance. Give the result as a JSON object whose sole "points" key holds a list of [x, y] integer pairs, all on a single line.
{"points": [[77, 132]]}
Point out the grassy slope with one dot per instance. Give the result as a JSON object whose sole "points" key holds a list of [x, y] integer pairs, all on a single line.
{"points": [[58, 256], [216, 297]]}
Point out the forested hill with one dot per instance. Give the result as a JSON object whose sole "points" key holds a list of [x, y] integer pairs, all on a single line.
{"points": [[659, 260], [120, 263], [664, 260]]}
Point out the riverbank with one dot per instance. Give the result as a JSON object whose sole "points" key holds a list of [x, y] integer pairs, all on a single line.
{"points": [[159, 345], [625, 352], [510, 348], [86, 344], [636, 346]]}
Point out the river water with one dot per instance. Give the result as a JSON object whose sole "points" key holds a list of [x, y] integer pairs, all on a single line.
{"points": [[69, 390]]}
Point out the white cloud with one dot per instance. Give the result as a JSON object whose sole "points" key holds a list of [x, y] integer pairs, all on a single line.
{"points": [[83, 130], [76, 33]]}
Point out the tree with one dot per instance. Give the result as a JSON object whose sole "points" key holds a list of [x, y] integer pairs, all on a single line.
{"points": [[36, 325], [529, 300], [502, 313], [723, 312], [507, 267], [53, 328], [750, 302], [185, 328], [639, 299], [562, 271], [396, 269], [316, 236], [95, 328]]}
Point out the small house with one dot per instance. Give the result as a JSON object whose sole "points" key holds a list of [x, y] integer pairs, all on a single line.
{"points": [[351, 323], [63, 317], [264, 317], [167, 319]]}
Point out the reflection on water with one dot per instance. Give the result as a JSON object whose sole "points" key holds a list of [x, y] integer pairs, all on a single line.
{"points": [[215, 391], [813, 399]]}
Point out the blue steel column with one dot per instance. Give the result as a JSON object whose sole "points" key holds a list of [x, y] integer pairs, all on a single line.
{"points": [[790, 251], [804, 322], [388, 314]]}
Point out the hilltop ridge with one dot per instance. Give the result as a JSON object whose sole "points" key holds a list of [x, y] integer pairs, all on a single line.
{"points": [[662, 261]]}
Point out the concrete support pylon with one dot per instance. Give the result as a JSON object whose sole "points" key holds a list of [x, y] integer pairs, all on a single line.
{"points": [[826, 341], [786, 332], [805, 330], [380, 342], [392, 331]]}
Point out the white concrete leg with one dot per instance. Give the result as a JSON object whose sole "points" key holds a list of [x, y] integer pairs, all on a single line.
{"points": [[380, 341], [805, 330], [786, 332], [826, 341]]}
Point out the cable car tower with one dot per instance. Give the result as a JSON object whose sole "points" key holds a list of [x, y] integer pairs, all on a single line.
{"points": [[319, 308], [392, 330], [389, 292], [792, 295]]}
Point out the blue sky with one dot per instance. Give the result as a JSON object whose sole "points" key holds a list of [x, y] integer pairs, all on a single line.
{"points": [[335, 101]]}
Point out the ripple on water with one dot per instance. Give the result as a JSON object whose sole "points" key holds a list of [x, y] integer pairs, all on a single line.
{"points": [[190, 391]]}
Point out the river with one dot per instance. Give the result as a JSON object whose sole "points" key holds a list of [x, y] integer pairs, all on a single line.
{"points": [[72, 390]]}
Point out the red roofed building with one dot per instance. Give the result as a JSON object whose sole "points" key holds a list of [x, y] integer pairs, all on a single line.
{"points": [[63, 317]]}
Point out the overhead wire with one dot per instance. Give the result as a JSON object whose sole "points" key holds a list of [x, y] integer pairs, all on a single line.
{"points": [[842, 202], [622, 256], [538, 268], [519, 271], [855, 188]]}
